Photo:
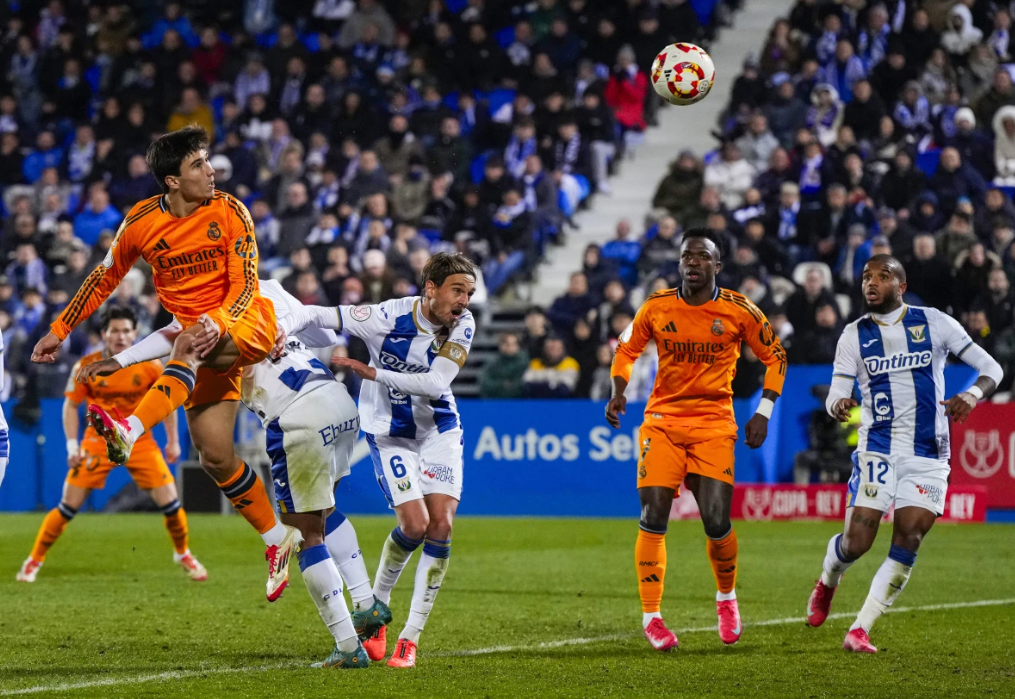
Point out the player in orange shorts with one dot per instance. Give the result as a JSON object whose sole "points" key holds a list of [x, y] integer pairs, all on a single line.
{"points": [[88, 464], [200, 245], [689, 432]]}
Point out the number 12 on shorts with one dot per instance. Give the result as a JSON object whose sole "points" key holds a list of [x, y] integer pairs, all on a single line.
{"points": [[880, 469]]}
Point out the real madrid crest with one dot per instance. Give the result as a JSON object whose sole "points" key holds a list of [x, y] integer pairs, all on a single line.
{"points": [[717, 327]]}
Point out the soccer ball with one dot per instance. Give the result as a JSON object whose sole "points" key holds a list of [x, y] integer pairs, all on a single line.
{"points": [[683, 74]]}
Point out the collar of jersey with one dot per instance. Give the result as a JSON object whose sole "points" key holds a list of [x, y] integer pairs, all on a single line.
{"points": [[422, 324], [898, 320], [715, 293]]}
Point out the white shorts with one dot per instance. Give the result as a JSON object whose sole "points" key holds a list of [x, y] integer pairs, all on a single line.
{"points": [[310, 446], [408, 469], [879, 480]]}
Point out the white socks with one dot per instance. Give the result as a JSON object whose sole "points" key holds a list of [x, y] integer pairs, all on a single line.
{"points": [[136, 428], [888, 583], [397, 550], [835, 563], [325, 586], [725, 596], [274, 536], [340, 538], [647, 617], [430, 571]]}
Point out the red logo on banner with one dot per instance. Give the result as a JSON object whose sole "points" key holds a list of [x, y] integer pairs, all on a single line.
{"points": [[984, 452]]}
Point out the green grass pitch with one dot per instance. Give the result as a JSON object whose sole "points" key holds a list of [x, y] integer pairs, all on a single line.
{"points": [[530, 607]]}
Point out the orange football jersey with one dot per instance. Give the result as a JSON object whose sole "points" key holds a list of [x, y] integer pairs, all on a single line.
{"points": [[120, 391], [698, 350], [204, 263]]}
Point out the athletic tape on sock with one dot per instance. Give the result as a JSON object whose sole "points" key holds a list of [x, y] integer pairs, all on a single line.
{"points": [[901, 555], [838, 551], [171, 508], [437, 549], [333, 522], [403, 541], [66, 510], [314, 554]]}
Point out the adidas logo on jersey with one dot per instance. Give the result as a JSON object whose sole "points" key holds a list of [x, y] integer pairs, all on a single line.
{"points": [[161, 246], [651, 578], [670, 327], [898, 362]]}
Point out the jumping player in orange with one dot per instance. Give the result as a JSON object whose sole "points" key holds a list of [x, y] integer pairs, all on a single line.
{"points": [[200, 245], [689, 432], [87, 462]]}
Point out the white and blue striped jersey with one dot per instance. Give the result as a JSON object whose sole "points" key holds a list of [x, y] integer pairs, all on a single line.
{"points": [[899, 363], [270, 386], [401, 340], [5, 447]]}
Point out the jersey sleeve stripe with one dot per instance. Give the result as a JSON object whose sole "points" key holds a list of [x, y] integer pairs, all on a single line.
{"points": [[968, 345], [743, 303], [142, 212], [249, 282], [845, 376], [232, 204], [77, 305]]}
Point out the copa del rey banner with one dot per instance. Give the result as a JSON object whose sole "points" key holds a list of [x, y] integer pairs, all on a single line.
{"points": [[983, 453], [798, 502]]}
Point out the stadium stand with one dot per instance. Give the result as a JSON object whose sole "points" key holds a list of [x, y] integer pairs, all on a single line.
{"points": [[363, 136], [857, 128]]}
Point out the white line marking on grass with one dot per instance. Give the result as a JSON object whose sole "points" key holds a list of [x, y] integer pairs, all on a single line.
{"points": [[546, 645]]}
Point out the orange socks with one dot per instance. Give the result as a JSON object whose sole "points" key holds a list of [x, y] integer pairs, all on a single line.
{"points": [[245, 490], [722, 553], [176, 525], [169, 393], [650, 565], [51, 529]]}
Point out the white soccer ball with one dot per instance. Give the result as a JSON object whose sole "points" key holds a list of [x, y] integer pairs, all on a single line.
{"points": [[683, 74]]}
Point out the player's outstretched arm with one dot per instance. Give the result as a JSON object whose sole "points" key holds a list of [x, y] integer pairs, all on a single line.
{"points": [[959, 406], [93, 293], [156, 345]]}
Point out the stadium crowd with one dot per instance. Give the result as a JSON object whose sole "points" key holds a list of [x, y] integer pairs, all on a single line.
{"points": [[362, 134], [860, 128]]}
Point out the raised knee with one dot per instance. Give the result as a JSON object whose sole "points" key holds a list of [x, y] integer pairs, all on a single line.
{"points": [[183, 350]]}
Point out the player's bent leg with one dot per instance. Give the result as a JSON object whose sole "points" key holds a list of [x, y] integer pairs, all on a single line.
{"points": [[370, 615], [211, 428], [52, 527], [842, 551], [650, 563], [911, 525], [168, 500], [324, 583]]}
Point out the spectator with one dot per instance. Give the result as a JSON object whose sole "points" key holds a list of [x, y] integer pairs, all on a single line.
{"points": [[785, 112], [925, 272], [597, 126], [450, 152], [626, 91], [972, 275], [370, 178], [1000, 94], [961, 35], [956, 237], [410, 196], [99, 216], [571, 306], [1004, 145], [46, 154], [817, 346], [553, 374], [770, 252], [998, 301], [27, 272], [903, 183], [377, 279], [191, 110], [502, 376], [954, 179], [614, 302], [997, 208], [296, 219], [623, 252], [136, 186], [864, 113], [536, 331], [802, 305], [912, 112], [681, 187], [660, 255], [521, 145], [825, 114], [731, 175]]}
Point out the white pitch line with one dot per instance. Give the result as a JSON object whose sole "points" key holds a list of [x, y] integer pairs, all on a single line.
{"points": [[546, 645]]}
